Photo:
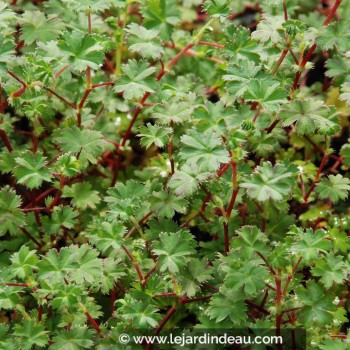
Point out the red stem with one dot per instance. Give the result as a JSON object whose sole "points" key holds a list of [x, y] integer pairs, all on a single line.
{"points": [[21, 91], [31, 237], [257, 113], [285, 10], [279, 62], [93, 323], [165, 295], [60, 97], [313, 47], [267, 263], [313, 185], [25, 285], [290, 277], [137, 268], [107, 83], [6, 141], [34, 209], [61, 71], [219, 46]]}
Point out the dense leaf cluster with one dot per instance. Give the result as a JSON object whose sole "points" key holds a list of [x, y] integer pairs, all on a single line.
{"points": [[171, 163]]}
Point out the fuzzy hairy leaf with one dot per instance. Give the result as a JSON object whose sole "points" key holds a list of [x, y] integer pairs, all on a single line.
{"points": [[87, 143], [136, 312], [35, 26], [204, 150], [310, 243], [75, 339], [335, 187], [81, 50], [161, 15], [154, 134], [31, 333], [317, 306], [173, 249], [310, 115], [136, 80], [11, 217], [144, 41], [31, 169], [268, 182]]}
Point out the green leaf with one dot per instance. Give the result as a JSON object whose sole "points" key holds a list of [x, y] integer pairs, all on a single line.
{"points": [[317, 306], [335, 35], [185, 181], [31, 169], [217, 8], [331, 269], [113, 270], [81, 50], [166, 204], [36, 27], [309, 244], [154, 134], [144, 41], [293, 27], [248, 279], [68, 165], [24, 262], [137, 313], [239, 75], [269, 28], [266, 92], [173, 250], [87, 266], [55, 265], [269, 182], [11, 217], [338, 66], [31, 333], [66, 297], [123, 199], [9, 298], [204, 150], [106, 236], [87, 143], [249, 241], [7, 52], [335, 188], [136, 80], [62, 216], [82, 195], [193, 275], [239, 44], [95, 6], [309, 116], [227, 305], [176, 112], [75, 339], [345, 93], [161, 15], [331, 344]]}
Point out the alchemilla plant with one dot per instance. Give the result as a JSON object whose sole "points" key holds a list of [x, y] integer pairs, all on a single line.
{"points": [[173, 164]]}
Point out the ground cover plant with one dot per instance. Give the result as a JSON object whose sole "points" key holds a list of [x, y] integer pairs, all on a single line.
{"points": [[173, 164]]}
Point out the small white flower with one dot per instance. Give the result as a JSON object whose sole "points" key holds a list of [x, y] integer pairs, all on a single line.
{"points": [[128, 116], [301, 169]]}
